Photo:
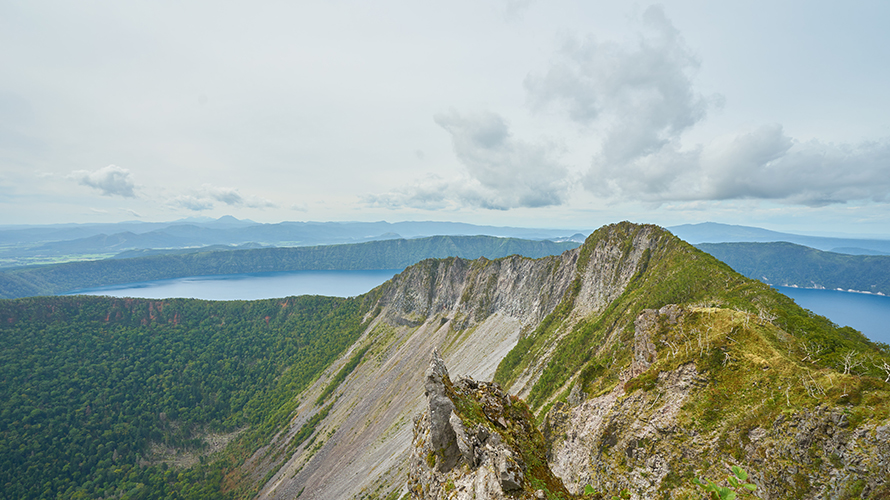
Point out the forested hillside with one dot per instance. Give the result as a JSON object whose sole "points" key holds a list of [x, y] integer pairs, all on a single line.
{"points": [[387, 254], [790, 264], [97, 394]]}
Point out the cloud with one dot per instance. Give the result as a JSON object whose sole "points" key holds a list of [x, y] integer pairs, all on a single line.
{"points": [[638, 99], [767, 164], [430, 193], [515, 9], [642, 94], [229, 196], [501, 171], [194, 203], [206, 197], [111, 180], [761, 164]]}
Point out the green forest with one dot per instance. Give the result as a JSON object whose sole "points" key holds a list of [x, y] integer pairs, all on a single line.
{"points": [[89, 384], [386, 254], [790, 264]]}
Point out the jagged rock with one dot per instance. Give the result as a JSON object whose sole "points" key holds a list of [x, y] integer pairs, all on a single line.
{"points": [[487, 467], [671, 313], [509, 473], [644, 348], [466, 442], [442, 436], [576, 397]]}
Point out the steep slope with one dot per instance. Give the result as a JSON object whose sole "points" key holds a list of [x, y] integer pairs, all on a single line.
{"points": [[472, 311], [646, 361]]}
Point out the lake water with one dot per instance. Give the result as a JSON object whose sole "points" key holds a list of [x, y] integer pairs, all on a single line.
{"points": [[252, 286], [870, 314]]}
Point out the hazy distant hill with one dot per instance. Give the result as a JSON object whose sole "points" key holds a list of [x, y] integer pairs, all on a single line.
{"points": [[24, 245], [790, 264], [712, 232], [385, 254]]}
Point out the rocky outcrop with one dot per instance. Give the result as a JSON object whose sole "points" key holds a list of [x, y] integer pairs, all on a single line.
{"points": [[443, 439], [501, 453], [468, 292], [642, 439]]}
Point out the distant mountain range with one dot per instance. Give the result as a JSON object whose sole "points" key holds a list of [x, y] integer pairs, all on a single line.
{"points": [[24, 245], [712, 232]]}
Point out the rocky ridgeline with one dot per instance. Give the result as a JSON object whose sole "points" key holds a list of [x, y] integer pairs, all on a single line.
{"points": [[662, 393], [476, 442]]}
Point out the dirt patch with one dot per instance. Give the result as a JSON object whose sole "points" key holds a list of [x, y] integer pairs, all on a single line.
{"points": [[159, 453]]}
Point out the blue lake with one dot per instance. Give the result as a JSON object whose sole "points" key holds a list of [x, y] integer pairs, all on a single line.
{"points": [[870, 314], [252, 286]]}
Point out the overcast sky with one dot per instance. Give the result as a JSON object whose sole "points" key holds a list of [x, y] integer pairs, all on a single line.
{"points": [[520, 112]]}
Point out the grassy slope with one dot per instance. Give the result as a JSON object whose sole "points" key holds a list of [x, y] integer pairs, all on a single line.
{"points": [[762, 354], [598, 348]]}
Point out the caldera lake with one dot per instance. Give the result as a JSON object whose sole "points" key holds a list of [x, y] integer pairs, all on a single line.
{"points": [[867, 313], [252, 286]]}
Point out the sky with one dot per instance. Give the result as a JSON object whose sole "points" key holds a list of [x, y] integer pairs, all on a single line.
{"points": [[567, 114]]}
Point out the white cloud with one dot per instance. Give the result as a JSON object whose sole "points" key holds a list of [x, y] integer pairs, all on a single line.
{"points": [[642, 95], [515, 9], [639, 100], [430, 193], [111, 180], [229, 196], [762, 164], [501, 171], [767, 164], [516, 173], [206, 197], [194, 203]]}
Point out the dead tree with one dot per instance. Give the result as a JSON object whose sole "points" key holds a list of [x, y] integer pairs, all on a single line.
{"points": [[851, 360], [886, 369]]}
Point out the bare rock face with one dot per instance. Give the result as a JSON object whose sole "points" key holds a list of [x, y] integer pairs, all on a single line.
{"points": [[442, 436], [491, 434], [471, 291]]}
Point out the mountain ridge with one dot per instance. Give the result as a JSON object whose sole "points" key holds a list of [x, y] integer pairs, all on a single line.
{"points": [[713, 232], [604, 293], [788, 264]]}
